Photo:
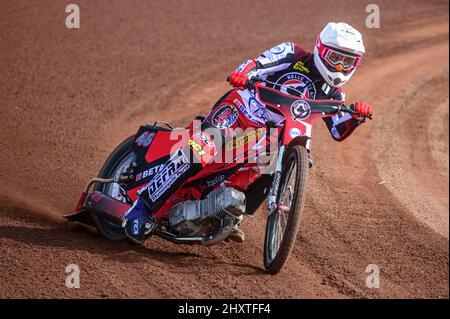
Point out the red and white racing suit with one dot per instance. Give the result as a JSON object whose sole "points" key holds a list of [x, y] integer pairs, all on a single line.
{"points": [[290, 65]]}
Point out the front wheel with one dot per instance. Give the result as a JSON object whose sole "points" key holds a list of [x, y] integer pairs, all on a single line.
{"points": [[283, 224]]}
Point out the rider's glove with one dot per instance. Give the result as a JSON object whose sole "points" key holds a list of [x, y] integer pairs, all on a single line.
{"points": [[364, 108], [238, 79]]}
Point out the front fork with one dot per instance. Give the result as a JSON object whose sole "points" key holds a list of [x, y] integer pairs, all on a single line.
{"points": [[272, 198]]}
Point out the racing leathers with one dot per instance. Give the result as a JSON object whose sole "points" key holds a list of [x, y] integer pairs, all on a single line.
{"points": [[290, 65], [287, 64]]}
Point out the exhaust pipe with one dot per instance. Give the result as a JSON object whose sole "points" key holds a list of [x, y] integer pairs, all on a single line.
{"points": [[208, 240], [219, 235]]}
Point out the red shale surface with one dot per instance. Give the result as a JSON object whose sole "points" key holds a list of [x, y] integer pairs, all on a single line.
{"points": [[68, 97]]}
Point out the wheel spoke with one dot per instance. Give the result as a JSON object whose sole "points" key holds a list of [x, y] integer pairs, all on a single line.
{"points": [[281, 216], [284, 221], [279, 234], [113, 189], [273, 249]]}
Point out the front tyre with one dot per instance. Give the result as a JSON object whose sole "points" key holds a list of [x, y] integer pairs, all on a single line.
{"points": [[119, 160], [283, 224]]}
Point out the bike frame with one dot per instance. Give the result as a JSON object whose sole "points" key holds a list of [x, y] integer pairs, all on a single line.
{"points": [[300, 113]]}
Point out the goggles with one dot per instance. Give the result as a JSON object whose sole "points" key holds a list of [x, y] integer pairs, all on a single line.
{"points": [[338, 61]]}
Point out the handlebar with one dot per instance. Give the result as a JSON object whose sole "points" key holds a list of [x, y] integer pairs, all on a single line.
{"points": [[251, 83], [351, 110]]}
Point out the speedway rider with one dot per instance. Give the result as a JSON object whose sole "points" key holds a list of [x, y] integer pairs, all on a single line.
{"points": [[319, 75]]}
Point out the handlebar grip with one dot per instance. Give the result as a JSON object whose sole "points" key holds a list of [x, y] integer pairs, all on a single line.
{"points": [[252, 81], [351, 110], [250, 84]]}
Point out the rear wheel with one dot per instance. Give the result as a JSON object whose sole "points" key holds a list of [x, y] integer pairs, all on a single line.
{"points": [[283, 224], [120, 159]]}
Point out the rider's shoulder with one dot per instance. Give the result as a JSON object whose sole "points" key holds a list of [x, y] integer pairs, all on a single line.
{"points": [[300, 53], [289, 50]]}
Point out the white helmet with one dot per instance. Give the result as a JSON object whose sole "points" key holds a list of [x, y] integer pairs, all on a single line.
{"points": [[338, 51]]}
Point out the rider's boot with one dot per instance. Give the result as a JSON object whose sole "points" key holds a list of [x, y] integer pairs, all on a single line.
{"points": [[237, 234], [137, 223]]}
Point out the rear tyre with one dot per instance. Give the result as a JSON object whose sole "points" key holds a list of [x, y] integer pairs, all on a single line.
{"points": [[283, 224], [120, 158]]}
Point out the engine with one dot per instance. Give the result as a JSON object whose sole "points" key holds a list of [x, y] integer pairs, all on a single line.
{"points": [[199, 217]]}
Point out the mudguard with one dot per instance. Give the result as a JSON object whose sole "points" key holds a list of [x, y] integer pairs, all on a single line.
{"points": [[101, 204]]}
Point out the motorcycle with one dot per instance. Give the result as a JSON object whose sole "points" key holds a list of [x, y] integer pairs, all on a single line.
{"points": [[208, 205]]}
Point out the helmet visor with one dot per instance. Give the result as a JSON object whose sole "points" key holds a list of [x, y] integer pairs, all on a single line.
{"points": [[335, 58]]}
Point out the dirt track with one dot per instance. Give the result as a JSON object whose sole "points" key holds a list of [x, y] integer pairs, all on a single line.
{"points": [[69, 96]]}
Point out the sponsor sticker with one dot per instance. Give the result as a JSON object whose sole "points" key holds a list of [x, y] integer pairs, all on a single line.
{"points": [[214, 181], [225, 117], [301, 67], [176, 166], [244, 139], [294, 81], [294, 132], [300, 110], [145, 139], [196, 147], [205, 138], [147, 173], [244, 111], [257, 108]]}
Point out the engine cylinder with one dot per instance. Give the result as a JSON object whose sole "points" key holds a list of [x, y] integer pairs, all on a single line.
{"points": [[190, 217]]}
